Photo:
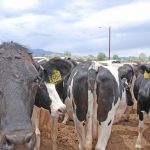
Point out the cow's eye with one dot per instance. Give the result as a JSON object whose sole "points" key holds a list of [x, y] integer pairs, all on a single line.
{"points": [[36, 80]]}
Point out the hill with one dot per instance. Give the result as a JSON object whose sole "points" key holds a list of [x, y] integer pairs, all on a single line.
{"points": [[39, 52]]}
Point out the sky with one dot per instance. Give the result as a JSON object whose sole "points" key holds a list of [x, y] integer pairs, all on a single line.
{"points": [[78, 26]]}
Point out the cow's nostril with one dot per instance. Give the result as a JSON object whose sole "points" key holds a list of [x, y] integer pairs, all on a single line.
{"points": [[8, 142], [60, 110], [22, 139], [30, 139]]}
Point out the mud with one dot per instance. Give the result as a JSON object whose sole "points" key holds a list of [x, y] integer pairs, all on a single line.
{"points": [[123, 136]]}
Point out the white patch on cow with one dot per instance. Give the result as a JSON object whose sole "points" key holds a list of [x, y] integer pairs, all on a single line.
{"points": [[68, 103], [71, 86], [114, 72], [95, 121], [56, 101], [69, 110], [132, 86], [81, 132], [121, 108], [89, 120], [104, 130], [66, 118], [95, 65], [140, 134], [80, 126]]}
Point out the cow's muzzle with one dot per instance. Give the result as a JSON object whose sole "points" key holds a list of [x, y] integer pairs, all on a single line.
{"points": [[19, 140], [61, 114]]}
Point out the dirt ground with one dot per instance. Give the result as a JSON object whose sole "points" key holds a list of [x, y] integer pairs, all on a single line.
{"points": [[123, 136]]}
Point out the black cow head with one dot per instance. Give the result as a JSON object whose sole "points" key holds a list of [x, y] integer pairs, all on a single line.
{"points": [[18, 87], [142, 69], [52, 73]]}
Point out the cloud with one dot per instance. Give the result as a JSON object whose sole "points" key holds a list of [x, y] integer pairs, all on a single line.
{"points": [[118, 16], [72, 25], [18, 4]]}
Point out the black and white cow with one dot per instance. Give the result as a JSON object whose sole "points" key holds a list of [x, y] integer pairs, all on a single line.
{"points": [[142, 95], [47, 95], [64, 67], [62, 91], [126, 71], [95, 92]]}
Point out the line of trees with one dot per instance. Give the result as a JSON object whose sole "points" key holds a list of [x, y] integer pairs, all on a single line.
{"points": [[102, 56]]}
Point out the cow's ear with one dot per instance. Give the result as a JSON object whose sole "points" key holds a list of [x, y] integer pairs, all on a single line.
{"points": [[57, 69], [144, 68]]}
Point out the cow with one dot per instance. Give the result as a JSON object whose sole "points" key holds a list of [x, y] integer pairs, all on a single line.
{"points": [[142, 95], [18, 87], [47, 96], [126, 71], [42, 102], [62, 91], [95, 92]]}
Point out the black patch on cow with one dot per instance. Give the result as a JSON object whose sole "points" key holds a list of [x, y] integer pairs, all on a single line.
{"points": [[142, 94], [62, 65], [129, 97], [42, 98], [79, 76], [107, 92], [125, 88], [109, 122], [73, 105], [83, 123], [61, 87], [126, 71]]}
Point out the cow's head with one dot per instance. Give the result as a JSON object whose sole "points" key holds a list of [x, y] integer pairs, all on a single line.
{"points": [[53, 72], [18, 87], [142, 69]]}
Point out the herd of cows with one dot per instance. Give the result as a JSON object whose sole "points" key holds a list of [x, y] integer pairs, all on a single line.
{"points": [[94, 95]]}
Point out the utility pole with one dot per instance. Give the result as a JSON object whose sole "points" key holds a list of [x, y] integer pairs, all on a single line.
{"points": [[109, 41]]}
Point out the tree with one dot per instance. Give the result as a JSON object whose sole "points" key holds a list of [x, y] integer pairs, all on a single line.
{"points": [[91, 57], [101, 56], [142, 57], [67, 53], [116, 57]]}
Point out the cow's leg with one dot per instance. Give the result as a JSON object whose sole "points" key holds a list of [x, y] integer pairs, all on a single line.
{"points": [[89, 121], [95, 121], [127, 113], [65, 118], [69, 110], [37, 132], [35, 122], [119, 115], [130, 103], [80, 128], [104, 129], [54, 131], [140, 131]]}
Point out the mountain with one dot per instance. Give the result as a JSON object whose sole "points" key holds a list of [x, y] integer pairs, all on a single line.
{"points": [[38, 52]]}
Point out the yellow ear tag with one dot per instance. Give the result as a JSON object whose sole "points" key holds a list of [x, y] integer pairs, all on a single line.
{"points": [[146, 75], [55, 77]]}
